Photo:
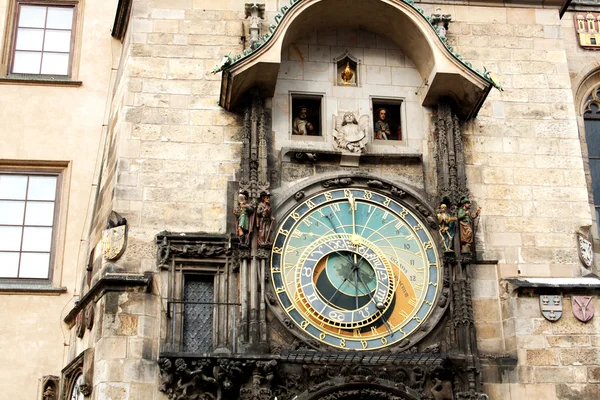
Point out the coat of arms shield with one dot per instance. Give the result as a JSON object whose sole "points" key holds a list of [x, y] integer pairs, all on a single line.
{"points": [[114, 241], [585, 250], [583, 307], [551, 306]]}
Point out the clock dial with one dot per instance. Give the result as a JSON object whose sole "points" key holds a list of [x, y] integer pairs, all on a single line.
{"points": [[355, 269]]}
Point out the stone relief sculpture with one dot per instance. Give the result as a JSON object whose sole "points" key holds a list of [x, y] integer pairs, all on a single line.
{"points": [[351, 134]]}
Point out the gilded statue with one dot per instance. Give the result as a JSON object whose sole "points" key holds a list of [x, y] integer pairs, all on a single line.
{"points": [[347, 74]]}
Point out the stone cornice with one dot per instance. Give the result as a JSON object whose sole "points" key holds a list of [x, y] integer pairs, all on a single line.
{"points": [[110, 282]]}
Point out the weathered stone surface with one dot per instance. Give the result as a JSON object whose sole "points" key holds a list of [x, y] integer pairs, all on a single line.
{"points": [[577, 392], [542, 357]]}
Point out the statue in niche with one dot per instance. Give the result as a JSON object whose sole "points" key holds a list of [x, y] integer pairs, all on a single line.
{"points": [[49, 393], [350, 134], [243, 211], [347, 74], [301, 126], [382, 127], [265, 220], [447, 223], [465, 219]]}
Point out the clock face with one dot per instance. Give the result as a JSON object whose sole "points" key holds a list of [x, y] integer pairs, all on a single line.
{"points": [[354, 269]]}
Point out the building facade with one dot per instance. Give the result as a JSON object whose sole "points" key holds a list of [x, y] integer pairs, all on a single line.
{"points": [[305, 199]]}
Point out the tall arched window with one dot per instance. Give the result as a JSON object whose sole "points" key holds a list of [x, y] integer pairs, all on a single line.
{"points": [[591, 116]]}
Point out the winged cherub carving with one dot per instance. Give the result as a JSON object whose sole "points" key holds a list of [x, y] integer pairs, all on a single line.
{"points": [[350, 134]]}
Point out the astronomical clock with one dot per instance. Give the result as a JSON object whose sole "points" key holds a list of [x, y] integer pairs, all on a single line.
{"points": [[355, 269]]}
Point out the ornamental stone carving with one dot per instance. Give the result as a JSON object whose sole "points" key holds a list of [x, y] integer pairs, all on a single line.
{"points": [[350, 132]]}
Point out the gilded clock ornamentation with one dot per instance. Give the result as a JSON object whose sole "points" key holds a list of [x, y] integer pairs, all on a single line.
{"points": [[354, 269]]}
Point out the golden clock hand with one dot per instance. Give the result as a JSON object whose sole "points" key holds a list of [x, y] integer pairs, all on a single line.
{"points": [[352, 202]]}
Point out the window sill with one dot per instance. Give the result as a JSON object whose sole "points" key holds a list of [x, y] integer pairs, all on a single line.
{"points": [[30, 288], [38, 80]]}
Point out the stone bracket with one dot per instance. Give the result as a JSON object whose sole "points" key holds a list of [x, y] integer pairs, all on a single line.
{"points": [[110, 282]]}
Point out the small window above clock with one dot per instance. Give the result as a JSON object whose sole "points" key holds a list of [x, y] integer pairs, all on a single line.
{"points": [[388, 121], [306, 116]]}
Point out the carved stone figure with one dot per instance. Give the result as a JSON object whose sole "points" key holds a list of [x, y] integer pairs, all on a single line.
{"points": [[466, 218], [301, 126], [351, 134], [265, 220], [382, 128], [49, 393], [446, 223], [442, 390], [243, 211]]}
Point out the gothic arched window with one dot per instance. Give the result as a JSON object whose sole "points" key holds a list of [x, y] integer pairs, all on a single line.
{"points": [[591, 116]]}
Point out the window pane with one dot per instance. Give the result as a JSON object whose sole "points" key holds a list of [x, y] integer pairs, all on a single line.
{"points": [[11, 212], [9, 265], [13, 187], [57, 41], [42, 187], [37, 239], [198, 318], [34, 265], [55, 64], [595, 172], [30, 39], [60, 18], [10, 238], [39, 213], [27, 62], [592, 136], [32, 16]]}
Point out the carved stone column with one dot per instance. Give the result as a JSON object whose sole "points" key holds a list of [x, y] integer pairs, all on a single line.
{"points": [[452, 187], [254, 184]]}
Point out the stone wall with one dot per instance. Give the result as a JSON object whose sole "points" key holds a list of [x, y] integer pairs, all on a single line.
{"points": [[178, 150], [525, 170]]}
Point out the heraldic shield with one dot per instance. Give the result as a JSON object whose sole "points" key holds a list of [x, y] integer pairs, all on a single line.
{"points": [[552, 307], [583, 307], [114, 241]]}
